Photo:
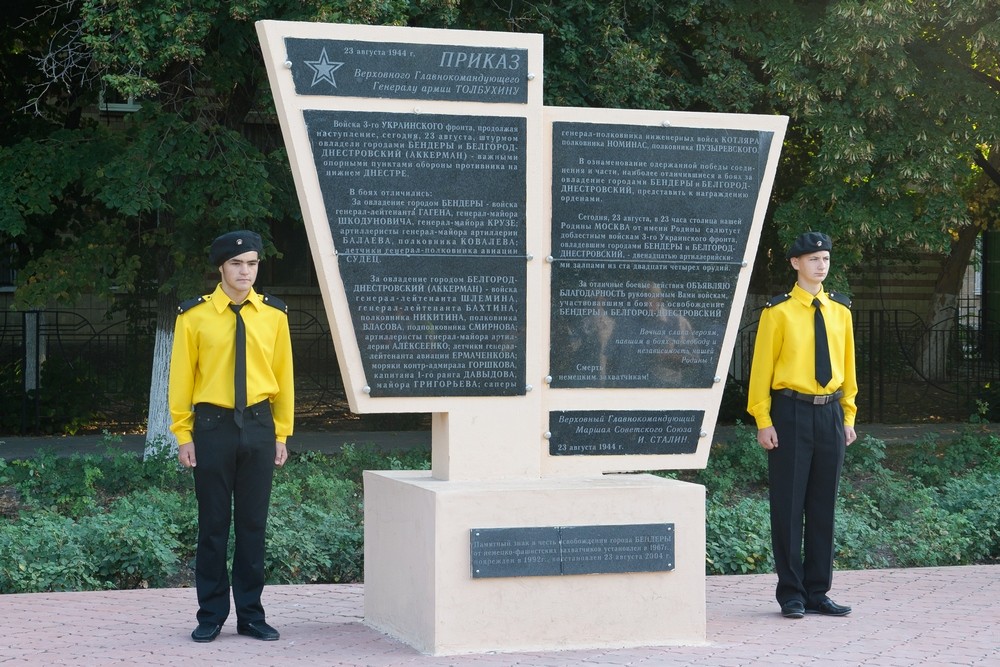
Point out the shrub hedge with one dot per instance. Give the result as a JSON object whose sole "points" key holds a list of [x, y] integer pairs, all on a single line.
{"points": [[112, 520]]}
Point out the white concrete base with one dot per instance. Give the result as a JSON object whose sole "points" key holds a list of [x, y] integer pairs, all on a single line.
{"points": [[419, 586]]}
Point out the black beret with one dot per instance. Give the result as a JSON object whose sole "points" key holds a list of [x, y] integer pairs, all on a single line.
{"points": [[809, 242], [231, 244]]}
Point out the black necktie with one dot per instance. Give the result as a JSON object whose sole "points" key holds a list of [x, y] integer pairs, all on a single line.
{"points": [[240, 370], [823, 371]]}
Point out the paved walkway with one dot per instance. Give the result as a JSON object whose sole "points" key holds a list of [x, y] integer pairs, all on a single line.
{"points": [[932, 616]]}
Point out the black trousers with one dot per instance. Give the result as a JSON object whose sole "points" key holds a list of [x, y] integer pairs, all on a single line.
{"points": [[804, 474], [232, 481]]}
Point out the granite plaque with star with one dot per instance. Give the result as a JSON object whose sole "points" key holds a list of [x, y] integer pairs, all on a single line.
{"points": [[354, 68]]}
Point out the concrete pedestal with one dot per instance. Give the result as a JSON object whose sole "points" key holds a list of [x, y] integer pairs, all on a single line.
{"points": [[419, 586]]}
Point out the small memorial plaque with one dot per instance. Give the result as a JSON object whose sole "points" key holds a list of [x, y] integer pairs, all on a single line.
{"points": [[608, 433], [560, 550], [350, 68]]}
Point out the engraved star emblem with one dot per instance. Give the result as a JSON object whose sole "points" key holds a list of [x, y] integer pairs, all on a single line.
{"points": [[323, 69]]}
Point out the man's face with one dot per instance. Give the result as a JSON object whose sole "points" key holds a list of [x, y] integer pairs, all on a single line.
{"points": [[240, 273], [813, 267]]}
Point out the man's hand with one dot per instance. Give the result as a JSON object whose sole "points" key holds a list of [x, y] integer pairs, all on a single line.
{"points": [[280, 453], [185, 454], [767, 437], [849, 434]]}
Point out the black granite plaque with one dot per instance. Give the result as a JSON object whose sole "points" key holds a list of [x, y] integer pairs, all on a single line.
{"points": [[561, 550], [516, 552], [427, 213], [608, 433], [605, 549], [649, 229], [352, 68]]}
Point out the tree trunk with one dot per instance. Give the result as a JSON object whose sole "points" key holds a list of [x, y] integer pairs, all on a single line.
{"points": [[932, 361], [158, 433], [934, 346]]}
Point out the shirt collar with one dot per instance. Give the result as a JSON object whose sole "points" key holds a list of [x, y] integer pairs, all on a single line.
{"points": [[221, 300], [805, 298]]}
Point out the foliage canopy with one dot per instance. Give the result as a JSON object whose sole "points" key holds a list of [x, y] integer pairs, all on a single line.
{"points": [[891, 103]]}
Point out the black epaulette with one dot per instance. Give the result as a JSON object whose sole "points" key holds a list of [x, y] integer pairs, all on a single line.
{"points": [[189, 304], [775, 300], [275, 302], [842, 299]]}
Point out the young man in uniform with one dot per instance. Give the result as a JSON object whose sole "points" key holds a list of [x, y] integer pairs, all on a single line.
{"points": [[802, 393], [232, 405]]}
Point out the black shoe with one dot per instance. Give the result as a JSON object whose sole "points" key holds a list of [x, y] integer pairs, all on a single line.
{"points": [[793, 609], [258, 630], [206, 632], [828, 607]]}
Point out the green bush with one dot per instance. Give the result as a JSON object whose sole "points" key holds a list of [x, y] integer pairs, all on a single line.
{"points": [[891, 518], [868, 453], [354, 459], [738, 537], [314, 532], [135, 544], [975, 497], [90, 522], [67, 485], [44, 551], [934, 462], [858, 539], [124, 471], [735, 467], [932, 537], [118, 521]]}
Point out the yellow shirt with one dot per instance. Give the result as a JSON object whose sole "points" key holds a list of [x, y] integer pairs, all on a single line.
{"points": [[783, 356], [204, 355]]}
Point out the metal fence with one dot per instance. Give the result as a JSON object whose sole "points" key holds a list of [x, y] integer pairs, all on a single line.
{"points": [[908, 371], [60, 370]]}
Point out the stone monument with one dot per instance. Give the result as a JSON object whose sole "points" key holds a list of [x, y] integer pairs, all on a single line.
{"points": [[560, 288]]}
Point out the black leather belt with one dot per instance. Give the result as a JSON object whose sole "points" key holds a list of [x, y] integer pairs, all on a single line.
{"points": [[815, 399]]}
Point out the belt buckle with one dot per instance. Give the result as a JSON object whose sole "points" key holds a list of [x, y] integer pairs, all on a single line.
{"points": [[820, 400]]}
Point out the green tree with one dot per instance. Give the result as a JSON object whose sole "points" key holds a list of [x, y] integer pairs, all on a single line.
{"points": [[93, 205], [898, 104], [894, 107]]}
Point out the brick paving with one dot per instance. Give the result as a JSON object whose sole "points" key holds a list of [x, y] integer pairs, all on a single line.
{"points": [[929, 616]]}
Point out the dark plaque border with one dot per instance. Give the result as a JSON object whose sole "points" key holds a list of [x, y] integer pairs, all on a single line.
{"points": [[621, 432], [566, 550], [403, 70]]}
